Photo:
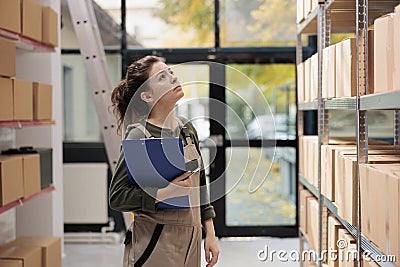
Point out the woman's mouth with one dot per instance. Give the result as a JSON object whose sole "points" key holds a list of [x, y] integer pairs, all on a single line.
{"points": [[177, 88]]}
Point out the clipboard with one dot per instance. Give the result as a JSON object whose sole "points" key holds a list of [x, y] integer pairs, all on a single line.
{"points": [[154, 162]]}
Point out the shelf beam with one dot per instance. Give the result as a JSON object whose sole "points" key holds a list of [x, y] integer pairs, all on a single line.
{"points": [[22, 124], [381, 101], [21, 201], [26, 43]]}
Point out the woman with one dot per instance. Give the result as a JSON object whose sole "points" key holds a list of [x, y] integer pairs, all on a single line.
{"points": [[160, 237]]}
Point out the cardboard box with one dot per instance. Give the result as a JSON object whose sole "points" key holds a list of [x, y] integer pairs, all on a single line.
{"points": [[28, 256], [300, 83], [307, 160], [314, 4], [304, 196], [369, 263], [11, 263], [396, 52], [50, 247], [384, 53], [49, 26], [331, 93], [347, 72], [23, 100], [338, 70], [10, 15], [313, 157], [11, 179], [346, 186], [348, 254], [312, 222], [380, 202], [314, 77], [307, 80], [42, 101], [301, 158], [325, 72], [8, 51], [31, 19], [31, 171], [329, 168], [307, 8], [333, 236], [300, 11], [6, 100]]}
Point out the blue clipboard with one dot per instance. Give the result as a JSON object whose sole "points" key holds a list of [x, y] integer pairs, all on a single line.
{"points": [[154, 162]]}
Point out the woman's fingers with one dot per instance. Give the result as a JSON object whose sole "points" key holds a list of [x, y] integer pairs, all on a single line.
{"points": [[182, 177], [187, 182]]}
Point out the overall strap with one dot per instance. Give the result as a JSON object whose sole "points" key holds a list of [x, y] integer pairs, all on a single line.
{"points": [[185, 131], [140, 127], [150, 247]]}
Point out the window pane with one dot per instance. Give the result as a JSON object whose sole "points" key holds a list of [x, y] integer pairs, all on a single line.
{"points": [[258, 23], [195, 104], [109, 26], [274, 202], [81, 123], [380, 123], [166, 23], [254, 92]]}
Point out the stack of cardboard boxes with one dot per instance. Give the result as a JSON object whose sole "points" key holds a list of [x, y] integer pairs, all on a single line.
{"points": [[339, 64], [22, 100], [380, 189], [32, 252], [307, 75], [24, 173], [338, 72]]}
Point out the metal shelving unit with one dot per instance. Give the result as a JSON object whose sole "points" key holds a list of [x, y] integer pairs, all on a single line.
{"points": [[346, 16]]}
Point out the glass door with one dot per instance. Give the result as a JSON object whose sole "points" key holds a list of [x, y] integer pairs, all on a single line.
{"points": [[245, 118]]}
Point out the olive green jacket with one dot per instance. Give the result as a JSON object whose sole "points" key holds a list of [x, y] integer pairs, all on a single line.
{"points": [[125, 197]]}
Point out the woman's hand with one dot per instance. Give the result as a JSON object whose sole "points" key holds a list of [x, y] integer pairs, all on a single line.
{"points": [[180, 186], [210, 243]]}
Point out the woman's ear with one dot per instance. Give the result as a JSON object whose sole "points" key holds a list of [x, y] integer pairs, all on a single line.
{"points": [[146, 97]]}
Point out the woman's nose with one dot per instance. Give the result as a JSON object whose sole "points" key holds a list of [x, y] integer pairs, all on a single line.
{"points": [[174, 78]]}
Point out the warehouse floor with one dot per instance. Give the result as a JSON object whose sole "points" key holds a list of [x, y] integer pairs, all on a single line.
{"points": [[234, 252]]}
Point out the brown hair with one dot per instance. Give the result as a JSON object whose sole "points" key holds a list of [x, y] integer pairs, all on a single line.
{"points": [[131, 87]]}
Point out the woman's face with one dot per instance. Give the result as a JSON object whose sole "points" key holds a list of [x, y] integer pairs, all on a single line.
{"points": [[164, 86]]}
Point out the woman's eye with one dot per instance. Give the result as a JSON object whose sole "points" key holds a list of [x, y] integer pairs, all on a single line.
{"points": [[162, 76], [171, 72]]}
